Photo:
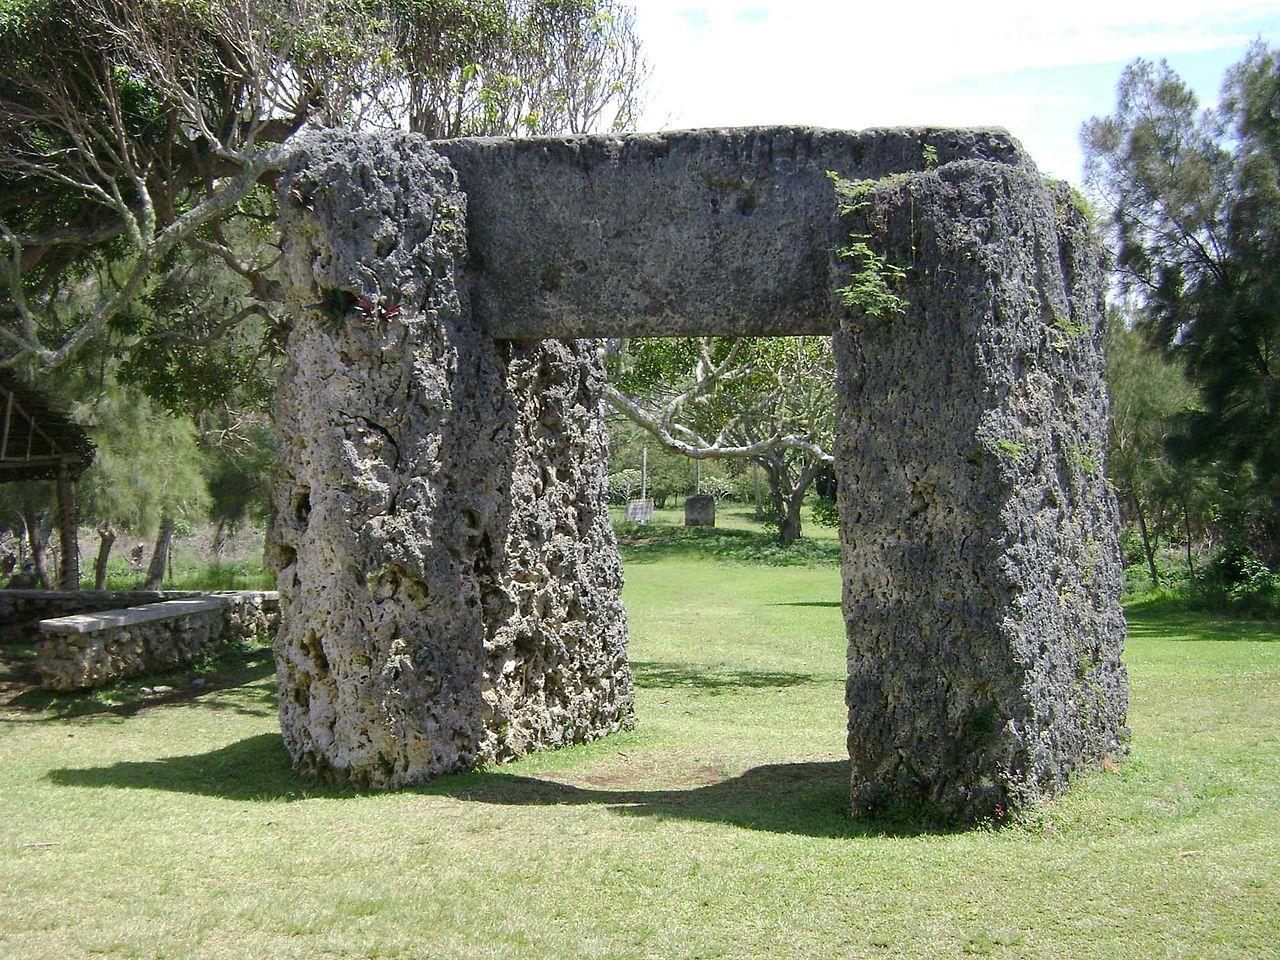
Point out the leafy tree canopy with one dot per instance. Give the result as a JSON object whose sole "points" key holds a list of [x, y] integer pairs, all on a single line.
{"points": [[140, 137], [1194, 201]]}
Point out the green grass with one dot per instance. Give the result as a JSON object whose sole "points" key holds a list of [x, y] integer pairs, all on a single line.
{"points": [[737, 538], [188, 574], [169, 825]]}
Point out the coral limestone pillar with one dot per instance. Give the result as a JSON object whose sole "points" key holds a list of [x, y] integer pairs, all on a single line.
{"points": [[448, 576], [981, 566]]}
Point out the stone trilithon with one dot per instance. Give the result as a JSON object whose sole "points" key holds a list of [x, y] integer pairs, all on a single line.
{"points": [[450, 584]]}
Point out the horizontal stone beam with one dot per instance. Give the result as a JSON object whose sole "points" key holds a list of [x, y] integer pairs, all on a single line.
{"points": [[129, 616], [111, 619], [702, 232]]}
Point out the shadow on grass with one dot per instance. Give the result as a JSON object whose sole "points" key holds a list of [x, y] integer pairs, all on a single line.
{"points": [[255, 768], [26, 702], [652, 675], [810, 799], [643, 543], [808, 603], [1160, 618]]}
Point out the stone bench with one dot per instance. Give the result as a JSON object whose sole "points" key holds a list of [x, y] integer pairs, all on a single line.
{"points": [[92, 649], [22, 610]]}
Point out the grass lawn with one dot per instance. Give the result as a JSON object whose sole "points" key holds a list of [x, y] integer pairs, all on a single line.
{"points": [[170, 826]]}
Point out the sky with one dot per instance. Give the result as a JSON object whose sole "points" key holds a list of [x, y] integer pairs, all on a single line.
{"points": [[1037, 69]]}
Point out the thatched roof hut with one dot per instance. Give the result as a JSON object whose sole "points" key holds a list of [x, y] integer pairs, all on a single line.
{"points": [[39, 442], [36, 439]]}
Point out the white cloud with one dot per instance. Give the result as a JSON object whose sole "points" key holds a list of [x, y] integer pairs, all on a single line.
{"points": [[852, 64]]}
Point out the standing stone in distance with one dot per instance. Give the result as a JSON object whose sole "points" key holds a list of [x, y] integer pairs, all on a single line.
{"points": [[700, 510]]}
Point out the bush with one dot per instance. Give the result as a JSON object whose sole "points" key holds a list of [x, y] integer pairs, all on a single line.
{"points": [[1131, 546], [718, 487], [1237, 580], [825, 513], [623, 485]]}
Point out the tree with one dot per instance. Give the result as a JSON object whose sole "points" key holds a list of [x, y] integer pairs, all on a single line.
{"points": [[137, 134], [1147, 394], [146, 475], [497, 68], [1194, 210], [669, 474], [28, 505], [240, 461], [770, 400], [129, 129], [140, 141]]}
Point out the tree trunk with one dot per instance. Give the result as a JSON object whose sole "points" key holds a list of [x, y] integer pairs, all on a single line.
{"points": [[35, 542], [787, 496], [160, 555], [1186, 529], [1146, 542], [68, 535], [106, 537], [775, 474], [789, 526]]}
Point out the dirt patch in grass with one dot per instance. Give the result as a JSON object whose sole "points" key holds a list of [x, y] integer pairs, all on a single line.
{"points": [[635, 773]]}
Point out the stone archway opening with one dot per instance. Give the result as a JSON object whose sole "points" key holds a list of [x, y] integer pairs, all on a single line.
{"points": [[450, 595]]}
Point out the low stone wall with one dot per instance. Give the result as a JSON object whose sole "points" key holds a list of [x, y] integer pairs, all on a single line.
{"points": [[91, 650], [22, 610]]}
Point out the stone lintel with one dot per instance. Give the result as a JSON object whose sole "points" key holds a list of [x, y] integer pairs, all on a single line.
{"points": [[707, 232]]}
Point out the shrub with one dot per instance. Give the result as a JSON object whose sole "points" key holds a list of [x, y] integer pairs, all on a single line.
{"points": [[825, 513], [718, 487], [1131, 546], [623, 485], [1235, 579]]}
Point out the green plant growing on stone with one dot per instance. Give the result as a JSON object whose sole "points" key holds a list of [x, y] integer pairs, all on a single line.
{"points": [[1080, 203], [1069, 198], [869, 289], [1067, 329], [1084, 458], [871, 285], [1009, 449], [337, 306], [1090, 558]]}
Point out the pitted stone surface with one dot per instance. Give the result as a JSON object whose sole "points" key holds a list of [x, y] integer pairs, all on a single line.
{"points": [[981, 567], [449, 578], [695, 232]]}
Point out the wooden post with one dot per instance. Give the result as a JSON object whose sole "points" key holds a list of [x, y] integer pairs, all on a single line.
{"points": [[70, 567], [8, 418]]}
